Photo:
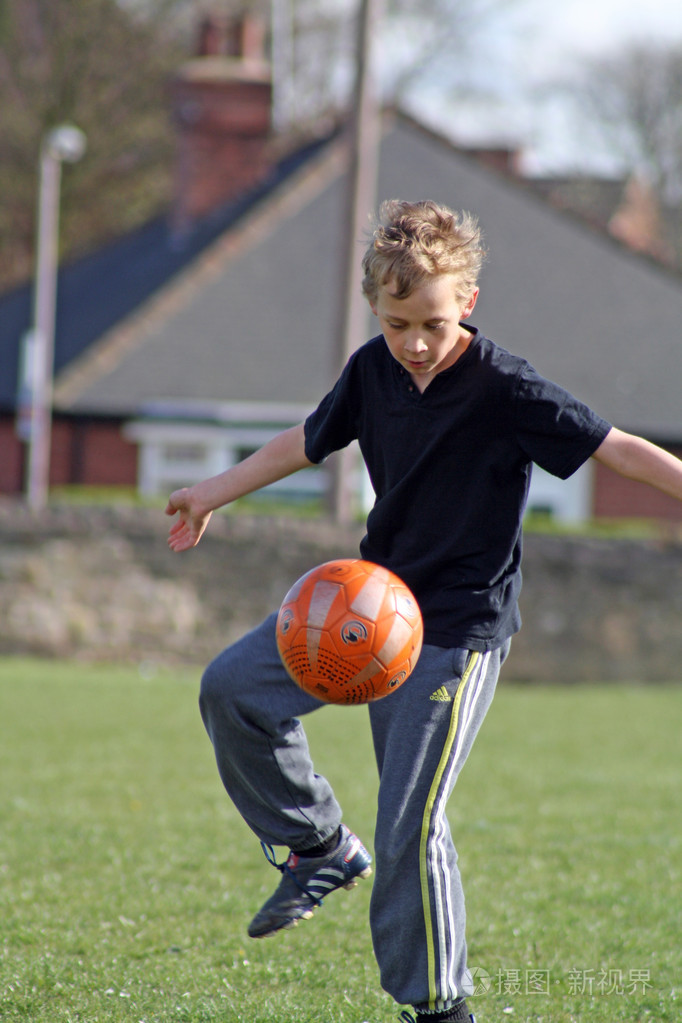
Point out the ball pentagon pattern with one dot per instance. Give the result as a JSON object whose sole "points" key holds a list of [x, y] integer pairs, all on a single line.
{"points": [[349, 632]]}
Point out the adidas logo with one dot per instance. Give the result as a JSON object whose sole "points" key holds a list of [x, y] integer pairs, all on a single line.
{"points": [[441, 695]]}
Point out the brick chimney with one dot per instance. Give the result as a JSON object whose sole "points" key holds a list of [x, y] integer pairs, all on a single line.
{"points": [[638, 223], [502, 159], [221, 102]]}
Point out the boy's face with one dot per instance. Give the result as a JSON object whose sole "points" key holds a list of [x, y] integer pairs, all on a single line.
{"points": [[423, 331]]}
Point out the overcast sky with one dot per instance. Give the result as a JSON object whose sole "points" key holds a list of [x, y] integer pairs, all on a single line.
{"points": [[588, 26], [517, 53]]}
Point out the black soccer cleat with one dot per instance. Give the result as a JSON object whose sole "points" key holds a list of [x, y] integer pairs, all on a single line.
{"points": [[458, 1013], [305, 882]]}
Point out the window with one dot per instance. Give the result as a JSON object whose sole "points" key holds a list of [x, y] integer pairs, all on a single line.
{"points": [[178, 452]]}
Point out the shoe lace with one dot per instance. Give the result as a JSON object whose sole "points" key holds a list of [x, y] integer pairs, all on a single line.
{"points": [[284, 868]]}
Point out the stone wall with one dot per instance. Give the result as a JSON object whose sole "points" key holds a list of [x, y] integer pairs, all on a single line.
{"points": [[102, 584]]}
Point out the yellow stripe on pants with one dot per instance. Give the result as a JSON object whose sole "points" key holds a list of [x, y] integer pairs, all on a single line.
{"points": [[426, 826]]}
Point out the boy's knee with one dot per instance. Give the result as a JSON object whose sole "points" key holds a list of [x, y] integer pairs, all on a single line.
{"points": [[215, 685]]}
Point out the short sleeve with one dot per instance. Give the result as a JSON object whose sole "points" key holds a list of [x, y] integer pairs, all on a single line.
{"points": [[554, 429], [332, 426]]}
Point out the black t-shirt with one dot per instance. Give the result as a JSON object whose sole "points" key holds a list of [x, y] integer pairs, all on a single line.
{"points": [[450, 469]]}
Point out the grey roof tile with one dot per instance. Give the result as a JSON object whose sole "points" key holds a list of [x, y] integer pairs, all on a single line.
{"points": [[604, 323]]}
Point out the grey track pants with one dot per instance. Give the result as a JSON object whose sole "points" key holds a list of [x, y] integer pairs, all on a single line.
{"points": [[422, 736]]}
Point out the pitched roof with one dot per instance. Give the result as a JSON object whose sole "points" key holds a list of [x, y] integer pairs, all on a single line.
{"points": [[249, 320], [254, 318], [106, 287]]}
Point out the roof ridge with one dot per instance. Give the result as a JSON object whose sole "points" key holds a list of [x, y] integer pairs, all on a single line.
{"points": [[284, 201]]}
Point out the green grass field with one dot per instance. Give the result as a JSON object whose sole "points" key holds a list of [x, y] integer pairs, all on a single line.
{"points": [[127, 880]]}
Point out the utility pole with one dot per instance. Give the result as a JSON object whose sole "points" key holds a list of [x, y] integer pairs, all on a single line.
{"points": [[364, 140]]}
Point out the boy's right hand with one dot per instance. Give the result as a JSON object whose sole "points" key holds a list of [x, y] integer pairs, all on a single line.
{"points": [[188, 529]]}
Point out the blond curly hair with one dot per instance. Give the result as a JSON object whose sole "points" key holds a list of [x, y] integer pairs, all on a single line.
{"points": [[413, 241]]}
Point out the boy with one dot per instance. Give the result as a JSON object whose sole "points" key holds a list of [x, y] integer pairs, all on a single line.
{"points": [[449, 425]]}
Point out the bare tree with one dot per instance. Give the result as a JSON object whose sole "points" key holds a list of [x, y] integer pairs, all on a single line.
{"points": [[103, 67], [105, 64], [634, 97], [415, 38], [429, 38]]}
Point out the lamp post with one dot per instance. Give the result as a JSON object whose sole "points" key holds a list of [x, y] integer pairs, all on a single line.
{"points": [[62, 144]]}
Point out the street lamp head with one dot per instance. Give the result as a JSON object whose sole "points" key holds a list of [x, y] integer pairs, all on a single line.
{"points": [[66, 143]]}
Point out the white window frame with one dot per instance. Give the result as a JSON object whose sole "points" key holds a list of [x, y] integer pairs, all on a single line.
{"points": [[567, 501]]}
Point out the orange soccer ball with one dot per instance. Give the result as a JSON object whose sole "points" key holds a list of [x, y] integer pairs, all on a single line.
{"points": [[349, 631]]}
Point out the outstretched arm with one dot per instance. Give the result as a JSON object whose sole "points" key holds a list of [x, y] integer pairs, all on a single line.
{"points": [[280, 457], [639, 459]]}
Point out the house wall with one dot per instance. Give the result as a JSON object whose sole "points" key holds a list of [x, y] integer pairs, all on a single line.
{"points": [[92, 452], [11, 458], [173, 455], [97, 453], [616, 497]]}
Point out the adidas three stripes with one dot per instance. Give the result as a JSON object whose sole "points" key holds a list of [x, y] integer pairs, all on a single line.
{"points": [[422, 741]]}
